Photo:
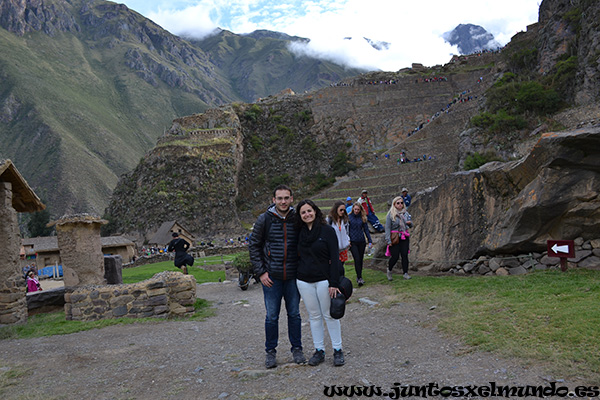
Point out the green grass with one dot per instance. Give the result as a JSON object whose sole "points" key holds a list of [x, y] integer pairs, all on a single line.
{"points": [[546, 317], [50, 324], [143, 272]]}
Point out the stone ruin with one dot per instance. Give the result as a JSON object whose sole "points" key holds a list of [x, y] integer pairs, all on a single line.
{"points": [[15, 196], [91, 293]]}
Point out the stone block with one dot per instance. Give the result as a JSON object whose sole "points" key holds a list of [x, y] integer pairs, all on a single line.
{"points": [[592, 262], [121, 300], [156, 285], [161, 310], [119, 311], [520, 270], [595, 243], [157, 292], [550, 260], [494, 264], [501, 271], [77, 297], [580, 255], [158, 300], [113, 270]]}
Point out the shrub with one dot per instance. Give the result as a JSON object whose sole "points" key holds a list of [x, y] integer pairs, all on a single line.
{"points": [[241, 261], [253, 113], [476, 160], [341, 164]]}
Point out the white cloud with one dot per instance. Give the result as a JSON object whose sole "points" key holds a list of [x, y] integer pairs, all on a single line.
{"points": [[414, 29]]}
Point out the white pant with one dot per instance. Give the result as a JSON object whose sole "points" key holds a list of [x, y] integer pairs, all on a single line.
{"points": [[317, 301]]}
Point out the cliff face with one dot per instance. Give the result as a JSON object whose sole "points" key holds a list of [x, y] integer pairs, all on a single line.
{"points": [[508, 208]]}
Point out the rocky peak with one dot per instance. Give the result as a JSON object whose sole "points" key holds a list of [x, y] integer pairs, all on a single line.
{"points": [[22, 16]]}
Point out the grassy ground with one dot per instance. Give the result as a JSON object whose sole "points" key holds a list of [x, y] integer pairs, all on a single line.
{"points": [[547, 317]]}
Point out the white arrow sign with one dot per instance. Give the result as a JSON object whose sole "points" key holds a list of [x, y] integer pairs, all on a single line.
{"points": [[560, 249]]}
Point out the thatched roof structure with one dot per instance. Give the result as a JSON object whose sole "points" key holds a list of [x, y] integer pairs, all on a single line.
{"points": [[24, 198]]}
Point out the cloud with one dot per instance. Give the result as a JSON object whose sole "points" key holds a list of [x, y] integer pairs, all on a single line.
{"points": [[413, 29]]}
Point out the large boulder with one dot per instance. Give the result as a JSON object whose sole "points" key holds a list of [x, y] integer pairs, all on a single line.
{"points": [[515, 207]]}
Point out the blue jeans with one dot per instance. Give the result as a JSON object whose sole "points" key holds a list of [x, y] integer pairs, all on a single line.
{"points": [[372, 218], [287, 290]]}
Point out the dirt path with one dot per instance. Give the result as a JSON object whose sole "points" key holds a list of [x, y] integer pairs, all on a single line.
{"points": [[222, 357]]}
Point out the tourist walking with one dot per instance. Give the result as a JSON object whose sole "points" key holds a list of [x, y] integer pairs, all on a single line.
{"points": [[273, 248], [406, 197], [338, 218], [358, 229], [319, 270], [180, 247], [397, 222], [365, 202]]}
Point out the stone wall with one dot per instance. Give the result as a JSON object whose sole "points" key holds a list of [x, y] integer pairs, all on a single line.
{"points": [[587, 255], [13, 305], [166, 294]]}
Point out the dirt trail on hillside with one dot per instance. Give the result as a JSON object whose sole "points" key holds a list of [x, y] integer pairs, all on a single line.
{"points": [[223, 356]]}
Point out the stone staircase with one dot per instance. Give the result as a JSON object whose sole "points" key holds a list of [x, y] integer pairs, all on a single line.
{"points": [[439, 139]]}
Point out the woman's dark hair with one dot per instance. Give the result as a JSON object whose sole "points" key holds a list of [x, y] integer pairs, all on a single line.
{"points": [[319, 217], [333, 214]]}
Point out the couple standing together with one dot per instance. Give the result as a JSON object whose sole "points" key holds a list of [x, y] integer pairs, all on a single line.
{"points": [[294, 252]]}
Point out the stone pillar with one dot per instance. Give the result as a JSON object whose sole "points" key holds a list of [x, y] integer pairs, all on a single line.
{"points": [[81, 249], [13, 304]]}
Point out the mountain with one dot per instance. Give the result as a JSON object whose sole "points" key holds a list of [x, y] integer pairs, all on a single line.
{"points": [[260, 64], [87, 87], [471, 39]]}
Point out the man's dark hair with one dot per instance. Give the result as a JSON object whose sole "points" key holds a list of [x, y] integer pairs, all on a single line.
{"points": [[282, 187], [175, 234]]}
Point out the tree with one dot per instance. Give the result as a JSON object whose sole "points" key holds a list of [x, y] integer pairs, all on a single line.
{"points": [[37, 224]]}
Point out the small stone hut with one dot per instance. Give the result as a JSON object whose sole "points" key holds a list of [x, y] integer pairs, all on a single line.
{"points": [[15, 196]]}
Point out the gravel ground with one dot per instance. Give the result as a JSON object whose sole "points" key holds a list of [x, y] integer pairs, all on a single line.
{"points": [[223, 356]]}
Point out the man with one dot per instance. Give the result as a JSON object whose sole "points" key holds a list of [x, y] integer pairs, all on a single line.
{"points": [[349, 205], [406, 197], [274, 255], [182, 258], [371, 217]]}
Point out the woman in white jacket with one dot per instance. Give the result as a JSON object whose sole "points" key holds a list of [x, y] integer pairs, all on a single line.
{"points": [[338, 218]]}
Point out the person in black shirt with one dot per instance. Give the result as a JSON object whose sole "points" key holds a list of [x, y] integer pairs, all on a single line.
{"points": [[180, 247]]}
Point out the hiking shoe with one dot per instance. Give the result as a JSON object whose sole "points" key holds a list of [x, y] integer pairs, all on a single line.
{"points": [[406, 276], [298, 355], [184, 269], [389, 275], [317, 358], [360, 281], [338, 358], [271, 359]]}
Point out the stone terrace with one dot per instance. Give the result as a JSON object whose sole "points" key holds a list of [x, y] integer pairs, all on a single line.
{"points": [[439, 138]]}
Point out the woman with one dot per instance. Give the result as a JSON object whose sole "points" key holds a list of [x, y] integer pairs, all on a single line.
{"points": [[398, 220], [338, 218], [358, 228], [317, 278], [33, 285]]}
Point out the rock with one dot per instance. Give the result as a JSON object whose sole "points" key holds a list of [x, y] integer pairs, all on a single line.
{"points": [[529, 264], [586, 246], [46, 299], [579, 255], [367, 301], [520, 270], [483, 269], [550, 260], [510, 262], [578, 241], [508, 208], [494, 264], [592, 262], [468, 267], [595, 243], [501, 272], [596, 252]]}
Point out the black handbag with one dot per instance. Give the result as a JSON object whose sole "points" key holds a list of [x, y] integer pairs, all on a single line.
{"points": [[338, 303]]}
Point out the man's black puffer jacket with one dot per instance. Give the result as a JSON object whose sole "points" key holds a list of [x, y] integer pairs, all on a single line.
{"points": [[273, 245]]}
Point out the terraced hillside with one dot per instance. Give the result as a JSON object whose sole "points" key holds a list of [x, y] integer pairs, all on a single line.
{"points": [[439, 139]]}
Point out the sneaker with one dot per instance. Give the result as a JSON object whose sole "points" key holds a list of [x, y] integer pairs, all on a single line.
{"points": [[271, 359], [389, 275], [406, 276], [317, 358], [298, 355], [338, 358], [360, 281]]}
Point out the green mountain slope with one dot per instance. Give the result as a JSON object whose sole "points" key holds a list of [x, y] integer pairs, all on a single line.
{"points": [[87, 87], [260, 64]]}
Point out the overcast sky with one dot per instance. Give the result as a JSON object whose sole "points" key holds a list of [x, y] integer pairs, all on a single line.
{"points": [[413, 28]]}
